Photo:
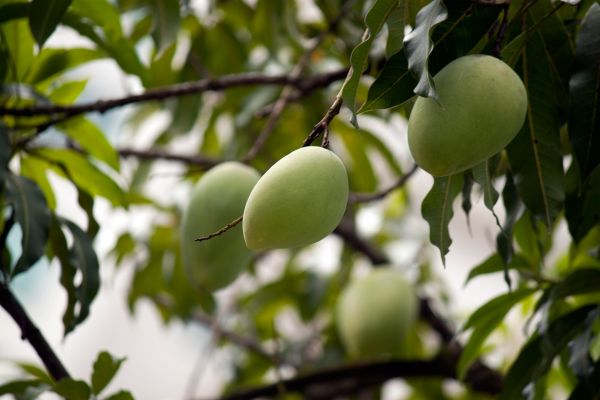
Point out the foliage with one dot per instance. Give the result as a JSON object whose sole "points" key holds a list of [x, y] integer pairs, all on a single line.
{"points": [[213, 75]]}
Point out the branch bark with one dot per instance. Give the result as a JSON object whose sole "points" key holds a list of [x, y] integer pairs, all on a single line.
{"points": [[31, 333]]}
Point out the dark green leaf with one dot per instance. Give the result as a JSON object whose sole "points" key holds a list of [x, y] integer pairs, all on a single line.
{"points": [[36, 372], [483, 321], [588, 387], [396, 24], [481, 174], [584, 111], [418, 45], [581, 209], [36, 170], [167, 20], [105, 368], [466, 196], [44, 17], [31, 212], [514, 209], [104, 14], [121, 395], [537, 355], [374, 20], [535, 154], [13, 11], [51, 62], [72, 389], [22, 387], [437, 210], [580, 360], [495, 263], [4, 152]]}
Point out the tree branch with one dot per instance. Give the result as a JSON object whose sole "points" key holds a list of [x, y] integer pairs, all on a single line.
{"points": [[347, 380], [156, 154], [204, 85], [221, 231], [368, 197], [31, 333]]}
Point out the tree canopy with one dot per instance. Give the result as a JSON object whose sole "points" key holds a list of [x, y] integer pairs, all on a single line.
{"points": [[252, 81]]}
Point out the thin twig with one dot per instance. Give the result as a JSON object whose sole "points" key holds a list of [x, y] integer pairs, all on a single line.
{"points": [[31, 333], [368, 197], [156, 154], [319, 128], [221, 231]]}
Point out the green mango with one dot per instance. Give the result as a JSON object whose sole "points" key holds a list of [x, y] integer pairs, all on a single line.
{"points": [[374, 314], [217, 199], [482, 106], [298, 201]]}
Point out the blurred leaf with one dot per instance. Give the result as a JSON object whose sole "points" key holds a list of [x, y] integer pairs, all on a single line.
{"points": [[167, 20], [437, 210], [120, 395], [418, 46], [5, 152], [125, 245], [105, 368], [21, 388], [36, 169], [581, 209], [580, 281], [514, 208], [466, 24], [374, 21], [536, 357], [10, 11], [91, 139], [396, 23], [84, 174], [483, 321], [584, 112], [102, 13], [72, 389], [535, 153], [44, 17], [67, 93], [361, 174], [588, 388], [51, 61], [495, 263], [580, 360], [481, 174], [29, 205], [18, 41], [36, 372], [466, 196]]}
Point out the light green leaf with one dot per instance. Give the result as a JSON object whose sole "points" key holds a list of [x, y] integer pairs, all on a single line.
{"points": [[104, 14], [105, 368], [44, 17], [19, 43], [67, 93], [483, 321], [51, 62], [31, 212], [167, 21], [374, 21], [91, 139], [437, 210]]}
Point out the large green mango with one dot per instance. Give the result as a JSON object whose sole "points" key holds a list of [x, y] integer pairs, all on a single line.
{"points": [[375, 313], [298, 201], [482, 106], [217, 199]]}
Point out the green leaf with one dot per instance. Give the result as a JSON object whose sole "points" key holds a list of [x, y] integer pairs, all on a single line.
{"points": [[581, 209], [584, 112], [374, 20], [12, 11], [589, 387], [104, 15], [35, 169], [22, 387], [91, 139], [537, 355], [105, 368], [51, 62], [84, 174], [120, 395], [437, 210], [167, 22], [467, 23], [482, 175], [483, 321], [36, 372], [44, 17], [29, 205], [72, 389], [495, 263], [535, 153], [514, 208], [5, 152], [396, 24], [418, 45], [17, 40]]}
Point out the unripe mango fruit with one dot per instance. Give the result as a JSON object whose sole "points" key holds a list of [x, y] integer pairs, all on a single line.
{"points": [[482, 106], [298, 201], [374, 314], [217, 199]]}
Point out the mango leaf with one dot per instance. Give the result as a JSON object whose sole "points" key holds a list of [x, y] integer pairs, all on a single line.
{"points": [[589, 387], [466, 204], [91, 139], [580, 281], [483, 321], [12, 11], [482, 175], [396, 23], [537, 355], [4, 152], [32, 215], [36, 170], [466, 24], [44, 17], [105, 368], [167, 21], [495, 263], [104, 15], [580, 360], [418, 45], [535, 153], [23, 388], [437, 210], [67, 92], [374, 20], [18, 42], [72, 389], [514, 208], [581, 209], [84, 174], [120, 395], [584, 112]]}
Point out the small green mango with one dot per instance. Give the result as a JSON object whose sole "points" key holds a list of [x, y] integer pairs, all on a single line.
{"points": [[482, 106], [298, 201], [217, 199], [374, 314]]}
